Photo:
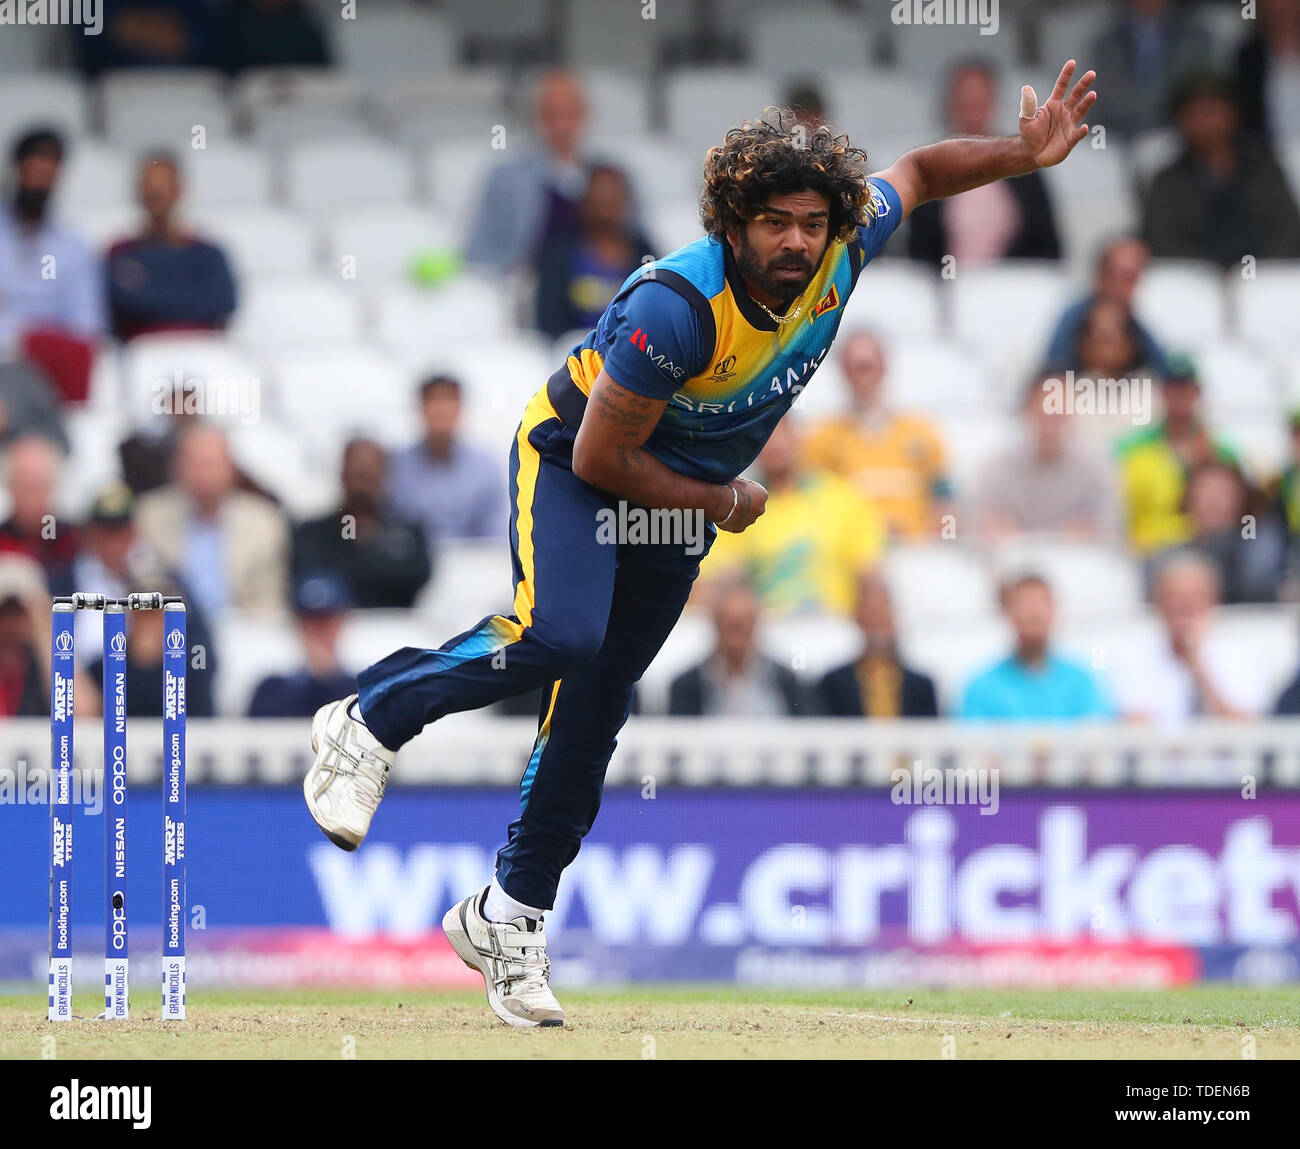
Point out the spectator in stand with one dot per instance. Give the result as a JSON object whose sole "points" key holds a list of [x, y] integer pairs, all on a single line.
{"points": [[578, 273], [1010, 219], [272, 34], [380, 558], [1033, 683], [815, 538], [453, 489], [25, 645], [1224, 197], [1268, 71], [150, 33], [737, 680], [1155, 462], [1232, 527], [229, 546], [1189, 670], [320, 604], [33, 528], [51, 304], [166, 278], [144, 659], [894, 458], [805, 99], [1148, 49], [1284, 492], [1051, 482], [1118, 271], [531, 199], [877, 684]]}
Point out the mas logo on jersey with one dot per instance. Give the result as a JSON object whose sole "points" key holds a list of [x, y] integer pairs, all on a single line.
{"points": [[828, 302], [641, 341]]}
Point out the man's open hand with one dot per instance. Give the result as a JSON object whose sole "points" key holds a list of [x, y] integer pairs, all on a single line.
{"points": [[1048, 134]]}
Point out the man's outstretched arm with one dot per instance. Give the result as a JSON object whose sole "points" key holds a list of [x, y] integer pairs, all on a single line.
{"points": [[1047, 135]]}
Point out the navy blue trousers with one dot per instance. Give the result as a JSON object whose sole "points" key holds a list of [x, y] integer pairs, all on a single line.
{"points": [[589, 617]]}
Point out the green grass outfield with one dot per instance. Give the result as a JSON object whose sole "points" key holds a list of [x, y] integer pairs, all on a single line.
{"points": [[683, 1022]]}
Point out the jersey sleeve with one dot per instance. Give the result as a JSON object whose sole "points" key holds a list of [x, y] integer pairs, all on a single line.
{"points": [[655, 343], [887, 215]]}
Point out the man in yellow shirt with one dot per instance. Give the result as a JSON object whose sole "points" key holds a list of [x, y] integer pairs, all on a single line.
{"points": [[895, 459], [816, 537]]}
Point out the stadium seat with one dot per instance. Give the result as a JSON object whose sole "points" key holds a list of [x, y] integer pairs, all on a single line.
{"points": [[702, 103], [929, 51], [1262, 443], [280, 311], [471, 579], [781, 41], [810, 645], [936, 378], [863, 101], [94, 175], [617, 104], [1265, 307], [44, 99], [1182, 301], [385, 241], [329, 175], [499, 380], [259, 240], [1150, 152], [160, 108], [152, 363], [671, 224], [369, 635], [396, 40], [283, 460], [897, 297], [27, 48], [1008, 311], [936, 582], [1235, 380], [93, 436], [325, 90], [1069, 33], [1272, 636], [1101, 642], [1089, 580], [102, 226], [461, 102], [972, 442], [316, 390], [1094, 198], [227, 173], [455, 173], [248, 649], [420, 324]]}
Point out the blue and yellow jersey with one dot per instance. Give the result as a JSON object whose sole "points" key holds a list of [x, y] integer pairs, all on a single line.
{"points": [[683, 329]]}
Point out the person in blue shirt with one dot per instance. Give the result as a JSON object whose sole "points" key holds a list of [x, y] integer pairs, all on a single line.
{"points": [[659, 408], [1033, 683]]}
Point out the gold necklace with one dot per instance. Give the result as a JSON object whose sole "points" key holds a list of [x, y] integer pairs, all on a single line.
{"points": [[779, 320]]}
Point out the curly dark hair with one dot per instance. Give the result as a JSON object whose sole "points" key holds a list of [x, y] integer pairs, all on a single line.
{"points": [[778, 155]]}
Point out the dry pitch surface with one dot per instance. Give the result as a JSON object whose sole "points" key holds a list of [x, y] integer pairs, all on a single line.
{"points": [[687, 1022]]}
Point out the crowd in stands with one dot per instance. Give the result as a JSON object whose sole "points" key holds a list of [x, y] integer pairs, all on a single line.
{"points": [[846, 489]]}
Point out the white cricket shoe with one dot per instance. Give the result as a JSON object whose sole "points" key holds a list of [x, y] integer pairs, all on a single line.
{"points": [[346, 783], [511, 956]]}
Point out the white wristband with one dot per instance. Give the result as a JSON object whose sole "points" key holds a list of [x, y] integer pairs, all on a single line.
{"points": [[735, 502]]}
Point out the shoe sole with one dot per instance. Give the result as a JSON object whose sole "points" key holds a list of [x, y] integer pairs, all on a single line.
{"points": [[317, 724], [453, 925]]}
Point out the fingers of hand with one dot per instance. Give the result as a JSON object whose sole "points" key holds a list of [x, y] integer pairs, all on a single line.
{"points": [[1080, 92], [1063, 80]]}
